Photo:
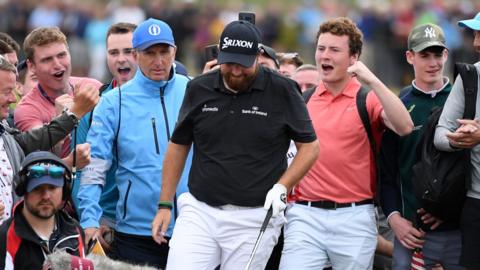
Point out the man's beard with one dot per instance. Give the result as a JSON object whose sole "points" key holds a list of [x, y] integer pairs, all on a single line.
{"points": [[239, 83], [39, 213]]}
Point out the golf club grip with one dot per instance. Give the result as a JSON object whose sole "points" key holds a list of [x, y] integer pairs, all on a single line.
{"points": [[267, 219]]}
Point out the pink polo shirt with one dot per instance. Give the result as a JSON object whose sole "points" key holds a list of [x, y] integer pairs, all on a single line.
{"points": [[344, 170], [35, 110]]}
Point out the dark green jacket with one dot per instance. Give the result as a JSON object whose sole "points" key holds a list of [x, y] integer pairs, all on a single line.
{"points": [[399, 154]]}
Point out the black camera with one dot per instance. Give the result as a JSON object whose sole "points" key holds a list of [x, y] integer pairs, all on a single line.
{"points": [[247, 16], [211, 52]]}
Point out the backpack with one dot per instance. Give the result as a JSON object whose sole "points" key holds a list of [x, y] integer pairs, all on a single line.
{"points": [[441, 179]]}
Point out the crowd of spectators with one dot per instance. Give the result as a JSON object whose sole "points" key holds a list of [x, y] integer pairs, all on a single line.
{"points": [[286, 26]]}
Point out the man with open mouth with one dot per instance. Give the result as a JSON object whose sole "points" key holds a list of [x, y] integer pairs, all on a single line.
{"points": [[334, 200], [97, 204], [48, 57]]}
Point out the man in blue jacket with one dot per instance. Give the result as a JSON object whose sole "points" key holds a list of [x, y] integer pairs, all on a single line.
{"points": [[133, 125], [96, 204]]}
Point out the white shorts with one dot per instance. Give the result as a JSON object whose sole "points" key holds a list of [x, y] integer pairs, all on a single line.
{"points": [[347, 237], [205, 236]]}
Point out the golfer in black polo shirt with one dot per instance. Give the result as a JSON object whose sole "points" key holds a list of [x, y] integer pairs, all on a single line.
{"points": [[240, 119]]}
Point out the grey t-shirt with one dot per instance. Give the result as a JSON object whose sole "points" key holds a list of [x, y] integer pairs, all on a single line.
{"points": [[453, 110]]}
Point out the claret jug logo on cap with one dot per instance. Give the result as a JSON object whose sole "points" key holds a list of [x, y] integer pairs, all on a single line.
{"points": [[154, 30]]}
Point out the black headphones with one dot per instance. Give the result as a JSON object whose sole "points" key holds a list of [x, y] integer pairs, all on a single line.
{"points": [[20, 179]]}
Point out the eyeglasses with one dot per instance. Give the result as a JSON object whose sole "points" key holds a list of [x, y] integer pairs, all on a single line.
{"points": [[37, 171]]}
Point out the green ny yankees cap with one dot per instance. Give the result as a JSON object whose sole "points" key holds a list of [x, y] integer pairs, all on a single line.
{"points": [[424, 36]]}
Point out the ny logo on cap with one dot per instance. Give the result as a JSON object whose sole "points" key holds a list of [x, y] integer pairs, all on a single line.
{"points": [[154, 30], [430, 32]]}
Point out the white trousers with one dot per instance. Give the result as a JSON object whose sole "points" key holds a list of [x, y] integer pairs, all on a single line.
{"points": [[205, 236], [347, 237]]}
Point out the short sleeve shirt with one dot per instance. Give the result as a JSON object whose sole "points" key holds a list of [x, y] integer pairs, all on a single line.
{"points": [[344, 170], [35, 110], [240, 140]]}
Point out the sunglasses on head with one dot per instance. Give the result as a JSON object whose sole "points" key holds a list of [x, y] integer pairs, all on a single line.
{"points": [[37, 171], [289, 55]]}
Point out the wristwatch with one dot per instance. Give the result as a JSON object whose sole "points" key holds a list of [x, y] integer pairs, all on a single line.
{"points": [[72, 115]]}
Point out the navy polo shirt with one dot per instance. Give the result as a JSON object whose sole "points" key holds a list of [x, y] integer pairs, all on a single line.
{"points": [[240, 140]]}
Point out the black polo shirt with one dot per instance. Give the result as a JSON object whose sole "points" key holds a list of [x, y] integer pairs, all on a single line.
{"points": [[240, 140]]}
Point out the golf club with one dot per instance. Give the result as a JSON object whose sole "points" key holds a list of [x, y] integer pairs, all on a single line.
{"points": [[259, 238]]}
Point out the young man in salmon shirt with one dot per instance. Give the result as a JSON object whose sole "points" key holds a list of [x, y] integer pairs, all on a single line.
{"points": [[333, 216], [48, 57]]}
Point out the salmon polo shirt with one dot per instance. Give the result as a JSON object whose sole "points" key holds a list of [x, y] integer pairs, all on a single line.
{"points": [[344, 170], [36, 110]]}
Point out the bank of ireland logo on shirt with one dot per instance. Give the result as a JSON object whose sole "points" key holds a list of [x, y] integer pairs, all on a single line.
{"points": [[255, 110], [154, 30]]}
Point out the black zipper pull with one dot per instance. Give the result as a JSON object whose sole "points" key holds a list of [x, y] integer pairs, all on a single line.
{"points": [[154, 127], [162, 101]]}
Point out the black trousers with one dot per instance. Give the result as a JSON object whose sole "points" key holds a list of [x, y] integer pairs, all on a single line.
{"points": [[274, 261], [136, 249]]}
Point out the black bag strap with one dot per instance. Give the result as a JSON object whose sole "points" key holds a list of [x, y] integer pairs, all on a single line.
{"points": [[115, 140], [469, 75], [307, 94], [100, 92], [363, 112]]}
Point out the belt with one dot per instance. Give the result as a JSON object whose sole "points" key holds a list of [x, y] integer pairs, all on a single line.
{"points": [[334, 205]]}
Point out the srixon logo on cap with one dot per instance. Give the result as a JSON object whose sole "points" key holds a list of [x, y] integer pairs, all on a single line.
{"points": [[227, 42]]}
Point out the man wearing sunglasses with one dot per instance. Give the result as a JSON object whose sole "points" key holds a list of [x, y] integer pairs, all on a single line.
{"points": [[289, 62], [268, 57], [39, 226]]}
